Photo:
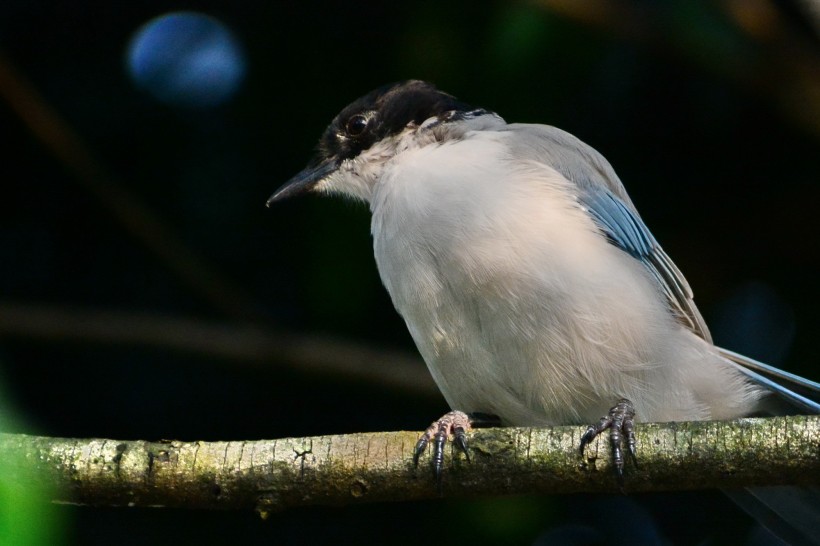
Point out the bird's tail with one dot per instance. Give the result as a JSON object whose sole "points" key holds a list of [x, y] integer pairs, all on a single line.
{"points": [[790, 513], [800, 393]]}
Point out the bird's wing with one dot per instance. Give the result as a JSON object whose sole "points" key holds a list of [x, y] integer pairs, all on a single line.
{"points": [[626, 230], [602, 195]]}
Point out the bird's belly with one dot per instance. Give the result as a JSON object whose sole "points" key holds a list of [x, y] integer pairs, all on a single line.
{"points": [[536, 341], [559, 348], [526, 351]]}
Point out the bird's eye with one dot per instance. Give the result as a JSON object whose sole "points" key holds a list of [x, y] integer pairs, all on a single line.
{"points": [[356, 125]]}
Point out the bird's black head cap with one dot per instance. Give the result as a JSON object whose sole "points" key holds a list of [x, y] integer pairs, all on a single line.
{"points": [[385, 111]]}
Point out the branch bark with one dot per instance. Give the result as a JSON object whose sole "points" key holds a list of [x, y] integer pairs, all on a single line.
{"points": [[272, 475]]}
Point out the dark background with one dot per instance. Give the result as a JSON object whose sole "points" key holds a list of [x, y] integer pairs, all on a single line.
{"points": [[120, 211]]}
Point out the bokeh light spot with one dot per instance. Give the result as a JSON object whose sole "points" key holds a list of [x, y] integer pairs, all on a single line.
{"points": [[186, 59]]}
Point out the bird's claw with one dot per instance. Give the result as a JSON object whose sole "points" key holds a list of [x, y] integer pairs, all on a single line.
{"points": [[621, 424], [455, 424]]}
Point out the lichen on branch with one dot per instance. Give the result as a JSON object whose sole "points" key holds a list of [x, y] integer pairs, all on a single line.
{"points": [[272, 475]]}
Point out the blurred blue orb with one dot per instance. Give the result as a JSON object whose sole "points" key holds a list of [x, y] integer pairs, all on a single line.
{"points": [[186, 59]]}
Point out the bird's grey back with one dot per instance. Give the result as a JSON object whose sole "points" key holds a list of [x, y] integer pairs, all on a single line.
{"points": [[601, 191], [568, 155]]}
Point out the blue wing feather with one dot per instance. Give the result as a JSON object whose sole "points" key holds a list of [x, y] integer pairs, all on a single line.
{"points": [[624, 228]]}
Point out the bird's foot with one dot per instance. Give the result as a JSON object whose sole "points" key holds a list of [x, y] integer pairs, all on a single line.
{"points": [[621, 424], [455, 424]]}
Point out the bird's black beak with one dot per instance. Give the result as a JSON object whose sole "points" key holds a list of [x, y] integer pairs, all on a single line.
{"points": [[305, 180]]}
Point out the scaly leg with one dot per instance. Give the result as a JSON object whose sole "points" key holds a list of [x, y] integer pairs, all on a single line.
{"points": [[621, 424]]}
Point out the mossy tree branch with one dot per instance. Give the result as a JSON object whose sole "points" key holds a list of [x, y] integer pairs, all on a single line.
{"points": [[272, 475]]}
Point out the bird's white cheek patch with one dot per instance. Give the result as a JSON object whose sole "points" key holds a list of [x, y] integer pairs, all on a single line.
{"points": [[347, 182]]}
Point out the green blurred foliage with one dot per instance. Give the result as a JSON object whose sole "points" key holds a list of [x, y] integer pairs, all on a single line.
{"points": [[27, 517]]}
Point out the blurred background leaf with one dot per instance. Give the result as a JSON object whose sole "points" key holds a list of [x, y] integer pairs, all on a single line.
{"points": [[26, 516]]}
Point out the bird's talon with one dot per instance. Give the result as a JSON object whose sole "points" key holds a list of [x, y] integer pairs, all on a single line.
{"points": [[455, 424], [621, 424], [460, 441], [421, 446]]}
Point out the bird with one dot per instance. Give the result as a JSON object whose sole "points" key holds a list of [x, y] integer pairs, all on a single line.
{"points": [[531, 286]]}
